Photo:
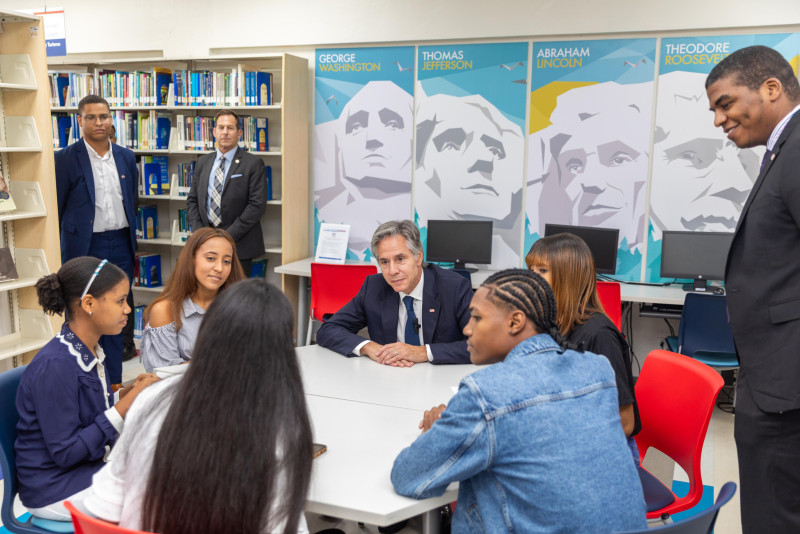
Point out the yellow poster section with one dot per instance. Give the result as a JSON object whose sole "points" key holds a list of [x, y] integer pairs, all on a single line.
{"points": [[795, 63], [544, 99]]}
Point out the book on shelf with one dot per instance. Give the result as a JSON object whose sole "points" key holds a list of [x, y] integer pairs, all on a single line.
{"points": [[185, 178], [6, 200], [8, 271], [149, 270], [184, 230], [68, 88], [162, 78], [261, 134], [259, 268], [147, 222], [154, 175], [138, 321]]}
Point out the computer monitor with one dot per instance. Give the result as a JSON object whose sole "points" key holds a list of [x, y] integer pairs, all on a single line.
{"points": [[459, 242], [697, 255], [601, 241]]}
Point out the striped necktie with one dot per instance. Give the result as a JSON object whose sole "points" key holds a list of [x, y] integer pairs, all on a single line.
{"points": [[215, 205]]}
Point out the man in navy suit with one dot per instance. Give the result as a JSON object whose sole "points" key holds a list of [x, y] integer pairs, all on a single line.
{"points": [[96, 183], [414, 312], [755, 97]]}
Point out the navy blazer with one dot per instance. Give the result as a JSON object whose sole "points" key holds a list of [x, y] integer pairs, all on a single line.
{"points": [[244, 200], [762, 279], [76, 199], [445, 312]]}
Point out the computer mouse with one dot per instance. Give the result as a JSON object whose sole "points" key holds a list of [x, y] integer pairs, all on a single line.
{"points": [[719, 290]]}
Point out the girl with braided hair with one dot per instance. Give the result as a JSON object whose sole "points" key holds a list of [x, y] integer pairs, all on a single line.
{"points": [[534, 438], [566, 262]]}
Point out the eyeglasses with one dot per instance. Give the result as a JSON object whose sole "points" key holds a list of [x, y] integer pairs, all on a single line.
{"points": [[96, 118]]}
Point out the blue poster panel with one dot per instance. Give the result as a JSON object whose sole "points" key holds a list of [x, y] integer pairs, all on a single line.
{"points": [[363, 116], [469, 164], [700, 179], [589, 138]]}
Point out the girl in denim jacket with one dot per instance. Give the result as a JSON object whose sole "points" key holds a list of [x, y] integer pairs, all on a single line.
{"points": [[535, 440]]}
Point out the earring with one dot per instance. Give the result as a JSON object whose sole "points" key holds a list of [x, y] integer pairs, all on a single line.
{"points": [[90, 314]]}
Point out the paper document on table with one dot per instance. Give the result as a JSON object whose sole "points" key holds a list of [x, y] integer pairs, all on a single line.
{"points": [[332, 244]]}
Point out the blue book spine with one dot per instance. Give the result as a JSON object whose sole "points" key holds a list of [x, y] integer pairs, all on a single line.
{"points": [[268, 168]]}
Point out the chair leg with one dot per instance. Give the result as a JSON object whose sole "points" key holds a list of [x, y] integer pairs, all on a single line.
{"points": [[310, 328]]}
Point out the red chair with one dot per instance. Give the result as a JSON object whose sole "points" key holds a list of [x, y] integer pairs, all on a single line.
{"points": [[610, 296], [85, 524], [676, 395], [333, 286]]}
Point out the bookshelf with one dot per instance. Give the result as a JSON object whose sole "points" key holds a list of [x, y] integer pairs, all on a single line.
{"points": [[285, 221], [30, 231]]}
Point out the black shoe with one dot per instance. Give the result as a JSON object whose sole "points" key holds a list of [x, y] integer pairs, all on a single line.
{"points": [[391, 529]]}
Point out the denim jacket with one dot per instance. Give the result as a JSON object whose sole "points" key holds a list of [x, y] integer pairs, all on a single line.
{"points": [[537, 445]]}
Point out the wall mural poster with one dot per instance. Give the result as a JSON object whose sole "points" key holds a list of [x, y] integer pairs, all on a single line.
{"points": [[589, 138], [363, 117], [469, 145], [700, 179]]}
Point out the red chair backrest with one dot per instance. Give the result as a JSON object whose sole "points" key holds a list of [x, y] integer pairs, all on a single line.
{"points": [[85, 524], [610, 295], [676, 396], [334, 285]]}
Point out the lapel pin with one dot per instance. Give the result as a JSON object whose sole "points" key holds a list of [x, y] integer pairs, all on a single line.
{"points": [[236, 162], [431, 310], [123, 177], [772, 157]]}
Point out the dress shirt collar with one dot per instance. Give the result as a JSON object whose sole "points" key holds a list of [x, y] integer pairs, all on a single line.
{"points": [[93, 152], [227, 155], [416, 293], [776, 133], [190, 308], [83, 356]]}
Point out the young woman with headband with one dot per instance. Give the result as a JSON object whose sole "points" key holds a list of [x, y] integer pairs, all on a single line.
{"points": [[566, 262], [534, 438], [68, 415]]}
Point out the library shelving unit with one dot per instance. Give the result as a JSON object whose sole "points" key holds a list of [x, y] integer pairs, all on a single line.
{"points": [[31, 230], [285, 221]]}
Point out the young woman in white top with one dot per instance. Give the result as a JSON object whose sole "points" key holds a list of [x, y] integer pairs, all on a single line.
{"points": [[226, 447], [207, 265]]}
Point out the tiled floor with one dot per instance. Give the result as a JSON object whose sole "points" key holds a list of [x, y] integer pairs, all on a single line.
{"points": [[719, 465]]}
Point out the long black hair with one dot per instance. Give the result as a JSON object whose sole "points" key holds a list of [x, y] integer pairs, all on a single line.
{"points": [[235, 450], [62, 291], [528, 292]]}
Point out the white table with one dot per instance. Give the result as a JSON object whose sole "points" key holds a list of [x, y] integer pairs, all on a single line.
{"points": [[630, 292], [352, 479], [418, 388]]}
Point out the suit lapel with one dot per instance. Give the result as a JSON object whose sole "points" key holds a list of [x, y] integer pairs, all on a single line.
{"points": [[233, 166], [86, 166], [390, 304], [123, 176], [768, 165], [430, 306]]}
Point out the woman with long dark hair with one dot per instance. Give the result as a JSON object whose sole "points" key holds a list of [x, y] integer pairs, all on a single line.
{"points": [[207, 265], [566, 262], [68, 414], [226, 447], [533, 438]]}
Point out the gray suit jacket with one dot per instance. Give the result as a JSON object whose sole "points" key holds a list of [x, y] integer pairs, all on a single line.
{"points": [[244, 199]]}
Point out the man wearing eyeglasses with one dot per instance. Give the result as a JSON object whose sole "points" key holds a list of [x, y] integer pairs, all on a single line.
{"points": [[96, 183]]}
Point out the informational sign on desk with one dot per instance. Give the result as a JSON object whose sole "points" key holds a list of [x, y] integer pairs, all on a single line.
{"points": [[332, 243]]}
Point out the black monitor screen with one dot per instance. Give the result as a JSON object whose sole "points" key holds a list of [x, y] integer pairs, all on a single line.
{"points": [[602, 242], [459, 242], [698, 255]]}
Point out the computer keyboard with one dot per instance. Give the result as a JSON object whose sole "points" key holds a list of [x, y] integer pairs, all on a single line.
{"points": [[668, 308]]}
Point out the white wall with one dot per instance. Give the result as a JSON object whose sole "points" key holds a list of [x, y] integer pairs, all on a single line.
{"points": [[184, 28]]}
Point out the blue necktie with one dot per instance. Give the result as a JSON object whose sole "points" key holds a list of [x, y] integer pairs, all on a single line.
{"points": [[412, 334]]}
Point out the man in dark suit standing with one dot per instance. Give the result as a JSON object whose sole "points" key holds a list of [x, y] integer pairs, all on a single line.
{"points": [[414, 312], [230, 191], [96, 184], [755, 97]]}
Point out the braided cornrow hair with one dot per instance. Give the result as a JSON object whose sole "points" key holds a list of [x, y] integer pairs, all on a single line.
{"points": [[530, 293]]}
